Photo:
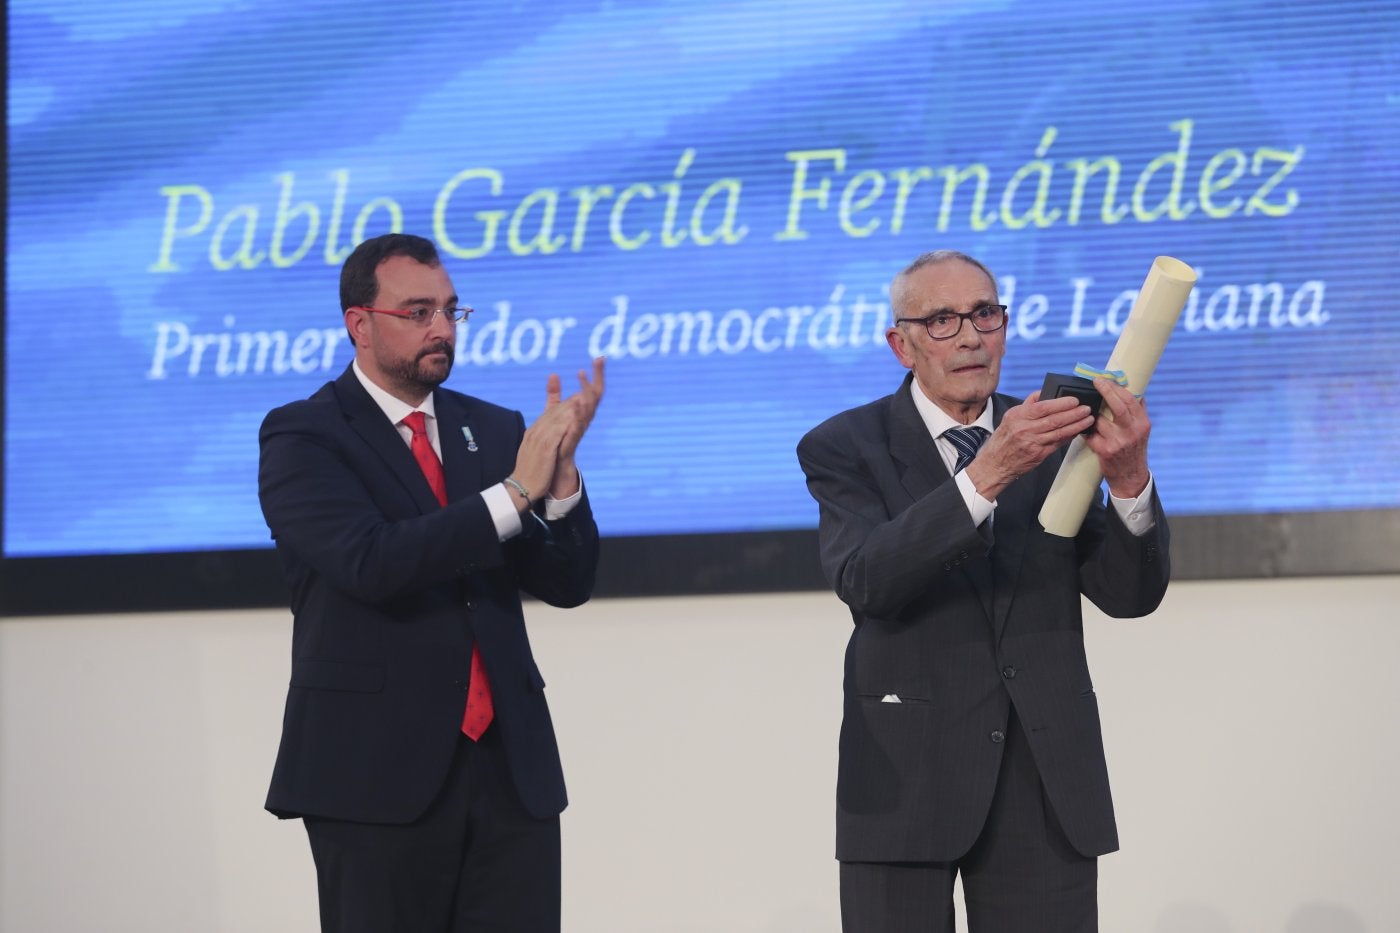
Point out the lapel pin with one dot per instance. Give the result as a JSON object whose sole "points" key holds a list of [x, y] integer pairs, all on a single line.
{"points": [[471, 441]]}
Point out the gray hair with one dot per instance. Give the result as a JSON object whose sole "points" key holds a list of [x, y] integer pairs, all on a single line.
{"points": [[897, 297]]}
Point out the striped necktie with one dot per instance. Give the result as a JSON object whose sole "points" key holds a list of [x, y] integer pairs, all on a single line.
{"points": [[966, 441]]}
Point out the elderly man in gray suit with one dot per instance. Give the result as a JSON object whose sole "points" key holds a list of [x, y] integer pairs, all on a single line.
{"points": [[970, 742]]}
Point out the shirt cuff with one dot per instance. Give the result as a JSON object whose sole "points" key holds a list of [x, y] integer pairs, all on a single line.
{"points": [[503, 512], [1136, 513], [980, 509], [555, 509]]}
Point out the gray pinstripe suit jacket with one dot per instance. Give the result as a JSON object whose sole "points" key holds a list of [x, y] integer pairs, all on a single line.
{"points": [[960, 623]]}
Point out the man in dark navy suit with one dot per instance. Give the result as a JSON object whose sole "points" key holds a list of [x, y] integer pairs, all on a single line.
{"points": [[970, 741], [417, 746]]}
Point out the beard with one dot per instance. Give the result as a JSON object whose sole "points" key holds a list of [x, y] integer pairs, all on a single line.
{"points": [[419, 372]]}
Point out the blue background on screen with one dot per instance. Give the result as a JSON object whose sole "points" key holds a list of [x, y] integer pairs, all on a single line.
{"points": [[150, 144]]}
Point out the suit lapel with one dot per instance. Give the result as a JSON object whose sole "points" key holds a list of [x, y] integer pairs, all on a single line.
{"points": [[460, 463], [924, 470], [922, 467], [368, 420], [1011, 525]]}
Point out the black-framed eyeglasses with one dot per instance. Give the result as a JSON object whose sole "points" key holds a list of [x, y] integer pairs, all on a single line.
{"points": [[988, 319], [422, 317]]}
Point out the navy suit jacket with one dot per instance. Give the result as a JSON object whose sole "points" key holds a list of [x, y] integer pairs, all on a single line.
{"points": [[389, 592], [960, 623]]}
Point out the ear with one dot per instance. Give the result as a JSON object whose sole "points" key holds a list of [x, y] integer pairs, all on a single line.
{"points": [[898, 342], [358, 326]]}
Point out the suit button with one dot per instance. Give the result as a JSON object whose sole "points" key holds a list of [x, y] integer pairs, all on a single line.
{"points": [[1008, 672], [471, 605], [947, 565], [998, 737]]}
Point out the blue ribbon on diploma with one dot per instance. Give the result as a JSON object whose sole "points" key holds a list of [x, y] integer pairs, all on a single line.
{"points": [[1089, 372], [1114, 375]]}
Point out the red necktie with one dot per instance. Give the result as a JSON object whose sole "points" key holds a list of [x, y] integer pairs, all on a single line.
{"points": [[480, 710]]}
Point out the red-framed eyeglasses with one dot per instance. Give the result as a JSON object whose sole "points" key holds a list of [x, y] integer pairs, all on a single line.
{"points": [[419, 316]]}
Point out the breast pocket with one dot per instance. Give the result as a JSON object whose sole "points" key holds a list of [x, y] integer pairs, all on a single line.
{"points": [[892, 699]]}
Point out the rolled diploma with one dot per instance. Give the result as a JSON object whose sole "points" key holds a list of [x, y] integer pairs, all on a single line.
{"points": [[1139, 347]]}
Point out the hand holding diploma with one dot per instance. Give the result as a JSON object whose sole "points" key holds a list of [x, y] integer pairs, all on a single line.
{"points": [[1119, 440], [1028, 433]]}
